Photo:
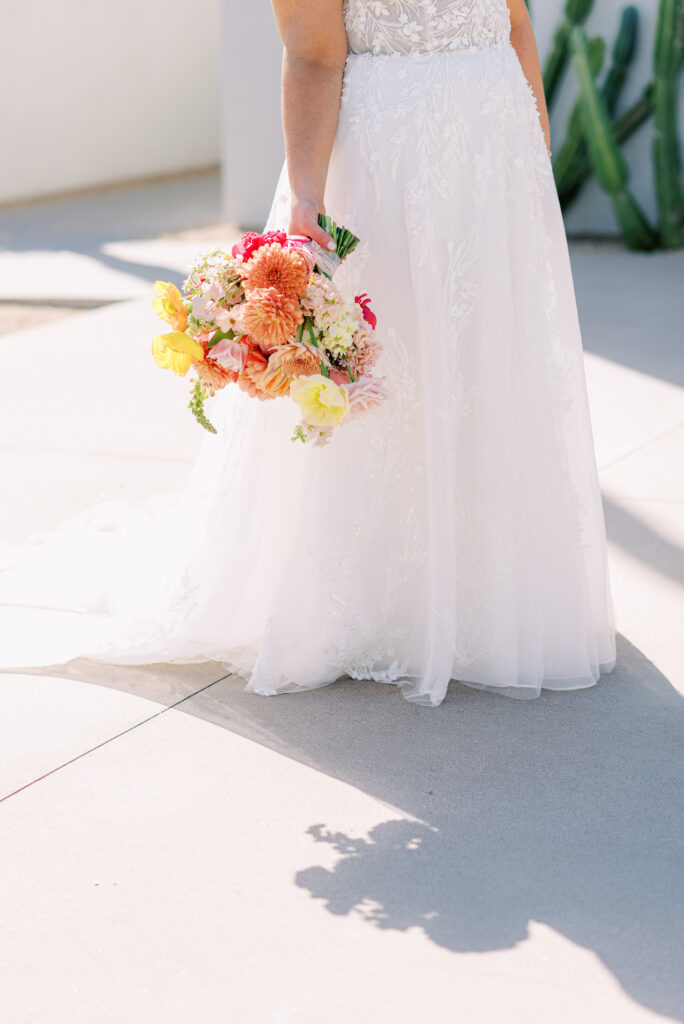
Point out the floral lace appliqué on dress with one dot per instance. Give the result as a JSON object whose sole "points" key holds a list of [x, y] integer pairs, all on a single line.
{"points": [[425, 26]]}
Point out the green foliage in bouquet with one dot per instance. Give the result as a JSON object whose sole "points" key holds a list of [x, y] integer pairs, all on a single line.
{"points": [[345, 243], [196, 406]]}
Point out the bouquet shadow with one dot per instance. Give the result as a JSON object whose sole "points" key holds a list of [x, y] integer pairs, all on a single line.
{"points": [[564, 811]]}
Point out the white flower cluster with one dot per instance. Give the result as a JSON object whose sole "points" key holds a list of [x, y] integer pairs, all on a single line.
{"points": [[338, 323]]}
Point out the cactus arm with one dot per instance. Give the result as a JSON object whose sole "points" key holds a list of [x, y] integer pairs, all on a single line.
{"points": [[574, 137], [571, 166], [575, 13], [623, 127], [621, 57], [628, 122], [667, 162], [607, 160]]}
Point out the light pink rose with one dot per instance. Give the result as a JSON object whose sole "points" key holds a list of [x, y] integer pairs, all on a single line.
{"points": [[366, 394], [231, 355]]}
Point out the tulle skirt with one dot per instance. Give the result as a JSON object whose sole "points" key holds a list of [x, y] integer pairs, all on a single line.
{"points": [[455, 534]]}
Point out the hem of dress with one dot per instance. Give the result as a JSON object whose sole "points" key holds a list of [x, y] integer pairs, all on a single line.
{"points": [[406, 683]]}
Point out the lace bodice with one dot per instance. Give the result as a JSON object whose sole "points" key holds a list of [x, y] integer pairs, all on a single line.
{"points": [[425, 26]]}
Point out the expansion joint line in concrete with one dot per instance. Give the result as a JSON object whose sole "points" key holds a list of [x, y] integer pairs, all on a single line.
{"points": [[117, 736], [639, 447]]}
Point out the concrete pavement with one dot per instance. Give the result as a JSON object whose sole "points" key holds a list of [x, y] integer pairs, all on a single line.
{"points": [[174, 849]]}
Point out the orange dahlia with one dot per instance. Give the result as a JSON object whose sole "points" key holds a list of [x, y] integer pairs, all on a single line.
{"points": [[295, 361], [271, 317], [213, 375], [271, 266]]}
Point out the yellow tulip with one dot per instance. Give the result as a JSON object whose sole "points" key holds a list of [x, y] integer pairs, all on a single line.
{"points": [[169, 305], [176, 352], [323, 403]]}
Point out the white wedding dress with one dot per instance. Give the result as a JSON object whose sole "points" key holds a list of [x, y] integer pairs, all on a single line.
{"points": [[457, 533]]}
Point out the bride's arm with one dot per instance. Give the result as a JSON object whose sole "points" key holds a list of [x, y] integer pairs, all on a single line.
{"points": [[314, 55], [523, 42]]}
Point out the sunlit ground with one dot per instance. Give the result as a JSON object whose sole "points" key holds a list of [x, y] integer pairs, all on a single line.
{"points": [[201, 853]]}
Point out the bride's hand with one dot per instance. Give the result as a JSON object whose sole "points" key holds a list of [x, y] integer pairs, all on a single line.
{"points": [[304, 221]]}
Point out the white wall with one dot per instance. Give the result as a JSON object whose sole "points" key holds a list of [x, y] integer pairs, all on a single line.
{"points": [[251, 160], [252, 140], [96, 92]]}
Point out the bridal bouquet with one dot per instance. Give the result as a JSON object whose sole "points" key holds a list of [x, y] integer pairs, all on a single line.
{"points": [[268, 317]]}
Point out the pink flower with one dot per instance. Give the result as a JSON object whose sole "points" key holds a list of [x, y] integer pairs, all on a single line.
{"points": [[230, 355], [203, 337], [252, 241], [339, 376], [368, 314], [366, 394], [204, 307], [319, 435], [228, 319], [364, 354]]}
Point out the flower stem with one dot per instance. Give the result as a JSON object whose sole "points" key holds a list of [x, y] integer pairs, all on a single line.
{"points": [[345, 240], [309, 323]]}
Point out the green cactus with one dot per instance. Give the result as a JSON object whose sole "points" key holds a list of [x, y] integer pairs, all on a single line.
{"points": [[621, 57], [623, 127], [575, 13], [667, 162], [574, 145], [607, 160], [570, 166]]}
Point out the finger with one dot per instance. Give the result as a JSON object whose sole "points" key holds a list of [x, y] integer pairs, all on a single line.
{"points": [[322, 237]]}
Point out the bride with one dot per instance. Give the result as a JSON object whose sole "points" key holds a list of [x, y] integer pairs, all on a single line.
{"points": [[456, 533]]}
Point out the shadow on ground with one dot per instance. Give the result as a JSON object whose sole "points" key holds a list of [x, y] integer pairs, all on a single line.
{"points": [[643, 542], [631, 307], [85, 223], [565, 810]]}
